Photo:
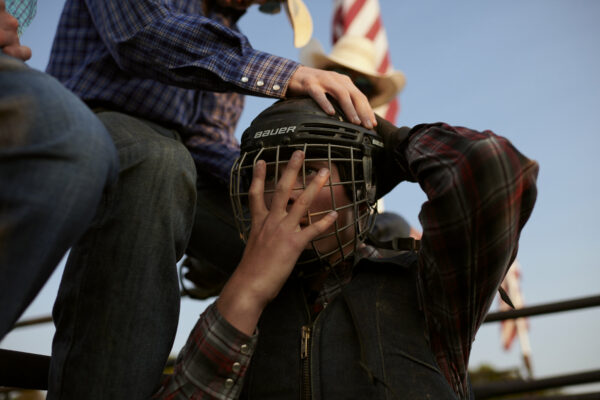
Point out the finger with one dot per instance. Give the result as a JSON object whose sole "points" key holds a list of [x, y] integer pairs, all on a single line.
{"points": [[354, 103], [341, 91], [8, 36], [256, 198], [286, 183], [364, 110], [21, 52], [320, 97], [304, 201], [315, 229]]}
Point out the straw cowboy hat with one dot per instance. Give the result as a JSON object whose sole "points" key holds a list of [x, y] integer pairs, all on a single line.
{"points": [[356, 53], [298, 15]]}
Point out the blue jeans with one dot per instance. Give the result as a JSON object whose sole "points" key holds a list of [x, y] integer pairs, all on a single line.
{"points": [[117, 308], [55, 160], [118, 305]]}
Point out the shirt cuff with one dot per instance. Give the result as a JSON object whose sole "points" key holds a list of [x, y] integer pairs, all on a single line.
{"points": [[216, 356], [267, 74]]}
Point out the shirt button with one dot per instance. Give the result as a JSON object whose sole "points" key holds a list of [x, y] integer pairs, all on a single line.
{"points": [[244, 349], [228, 383], [260, 83], [244, 79], [236, 367], [276, 87]]}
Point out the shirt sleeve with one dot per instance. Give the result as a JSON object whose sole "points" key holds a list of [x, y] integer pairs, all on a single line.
{"points": [[212, 363], [480, 192], [151, 40]]}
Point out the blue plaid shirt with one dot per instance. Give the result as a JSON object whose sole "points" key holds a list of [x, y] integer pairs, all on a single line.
{"points": [[167, 62]]}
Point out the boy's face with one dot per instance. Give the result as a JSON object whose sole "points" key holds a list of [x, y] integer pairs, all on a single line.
{"points": [[321, 205]]}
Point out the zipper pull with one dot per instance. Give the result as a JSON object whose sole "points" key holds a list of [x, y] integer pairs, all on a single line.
{"points": [[305, 342]]}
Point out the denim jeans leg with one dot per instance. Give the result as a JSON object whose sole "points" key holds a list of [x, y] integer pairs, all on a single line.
{"points": [[118, 304], [56, 158]]}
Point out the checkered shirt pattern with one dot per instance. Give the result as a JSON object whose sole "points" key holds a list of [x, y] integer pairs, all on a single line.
{"points": [[23, 11], [162, 61], [205, 366]]}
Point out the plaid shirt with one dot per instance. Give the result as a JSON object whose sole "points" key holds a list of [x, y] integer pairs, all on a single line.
{"points": [[480, 191], [164, 61], [23, 11]]}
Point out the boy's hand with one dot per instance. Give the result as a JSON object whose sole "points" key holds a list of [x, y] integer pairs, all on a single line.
{"points": [[274, 245], [389, 166]]}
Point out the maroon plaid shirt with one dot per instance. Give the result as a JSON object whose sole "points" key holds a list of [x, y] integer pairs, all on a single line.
{"points": [[480, 191]]}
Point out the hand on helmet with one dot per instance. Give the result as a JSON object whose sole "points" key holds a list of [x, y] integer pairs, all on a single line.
{"points": [[390, 165], [318, 83]]}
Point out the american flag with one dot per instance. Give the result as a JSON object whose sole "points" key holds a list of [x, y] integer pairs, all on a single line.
{"points": [[512, 328], [363, 18]]}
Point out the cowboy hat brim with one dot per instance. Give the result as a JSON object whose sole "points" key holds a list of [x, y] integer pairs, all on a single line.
{"points": [[387, 85]]}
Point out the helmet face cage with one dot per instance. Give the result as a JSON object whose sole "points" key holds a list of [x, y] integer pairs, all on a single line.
{"points": [[355, 171]]}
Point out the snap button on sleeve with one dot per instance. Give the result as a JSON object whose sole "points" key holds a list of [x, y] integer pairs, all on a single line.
{"points": [[236, 367], [244, 79], [260, 83], [276, 87], [228, 383]]}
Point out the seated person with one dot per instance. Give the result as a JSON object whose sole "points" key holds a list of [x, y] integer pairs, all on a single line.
{"points": [[311, 309]]}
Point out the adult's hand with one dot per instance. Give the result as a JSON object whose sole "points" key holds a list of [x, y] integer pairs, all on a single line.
{"points": [[318, 83], [274, 245], [9, 39]]}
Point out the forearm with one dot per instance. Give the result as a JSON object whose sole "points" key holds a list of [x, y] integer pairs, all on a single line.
{"points": [[213, 362], [186, 49], [239, 304], [480, 192]]}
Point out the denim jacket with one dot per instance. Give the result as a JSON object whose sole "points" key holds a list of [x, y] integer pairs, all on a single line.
{"points": [[369, 343]]}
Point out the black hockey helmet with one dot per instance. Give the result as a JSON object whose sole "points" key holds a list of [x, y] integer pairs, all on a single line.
{"points": [[300, 124]]}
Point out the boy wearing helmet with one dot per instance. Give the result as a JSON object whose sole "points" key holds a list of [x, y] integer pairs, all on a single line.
{"points": [[311, 310]]}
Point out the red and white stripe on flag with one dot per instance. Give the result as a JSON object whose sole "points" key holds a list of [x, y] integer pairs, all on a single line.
{"points": [[363, 18], [509, 328]]}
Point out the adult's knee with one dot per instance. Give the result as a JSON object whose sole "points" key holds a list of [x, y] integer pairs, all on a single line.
{"points": [[46, 124], [157, 175]]}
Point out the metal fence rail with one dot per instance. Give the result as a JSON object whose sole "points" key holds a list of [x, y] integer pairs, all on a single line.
{"points": [[500, 388], [30, 371], [559, 306]]}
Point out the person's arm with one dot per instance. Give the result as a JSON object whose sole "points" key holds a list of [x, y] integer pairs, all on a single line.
{"points": [[480, 192], [191, 50], [213, 362], [226, 333], [9, 38]]}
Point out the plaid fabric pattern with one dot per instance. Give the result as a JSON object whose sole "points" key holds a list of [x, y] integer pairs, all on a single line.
{"points": [[205, 367], [23, 11], [162, 61], [481, 191]]}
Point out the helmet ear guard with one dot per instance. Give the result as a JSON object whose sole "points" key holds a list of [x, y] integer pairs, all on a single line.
{"points": [[300, 124]]}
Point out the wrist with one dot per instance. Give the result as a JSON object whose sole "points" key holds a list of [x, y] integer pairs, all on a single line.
{"points": [[241, 304]]}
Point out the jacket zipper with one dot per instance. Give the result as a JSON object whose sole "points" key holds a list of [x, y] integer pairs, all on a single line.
{"points": [[305, 357]]}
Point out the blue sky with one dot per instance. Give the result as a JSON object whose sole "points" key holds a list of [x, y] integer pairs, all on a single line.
{"points": [[528, 70]]}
